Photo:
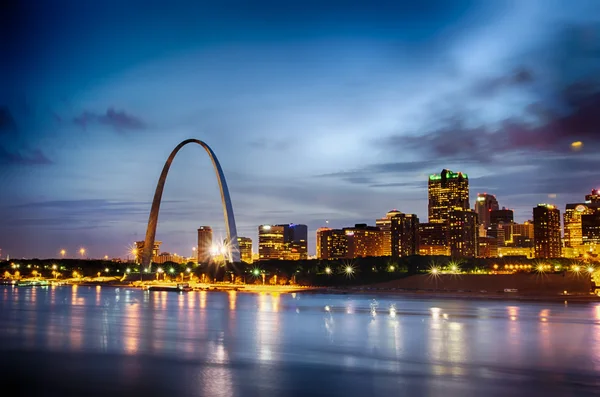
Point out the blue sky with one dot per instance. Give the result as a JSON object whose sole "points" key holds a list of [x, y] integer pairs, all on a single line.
{"points": [[334, 111]]}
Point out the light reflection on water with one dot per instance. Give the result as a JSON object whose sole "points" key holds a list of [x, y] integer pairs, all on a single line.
{"points": [[441, 340]]}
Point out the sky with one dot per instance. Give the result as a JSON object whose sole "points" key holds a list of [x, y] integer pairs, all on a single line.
{"points": [[318, 111]]}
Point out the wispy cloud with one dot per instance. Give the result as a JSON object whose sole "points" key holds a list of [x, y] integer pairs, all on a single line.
{"points": [[121, 121]]}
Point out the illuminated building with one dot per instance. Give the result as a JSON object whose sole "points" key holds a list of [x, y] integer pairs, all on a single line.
{"points": [[364, 241], [205, 241], [385, 225], [165, 257], [446, 191], [546, 234], [331, 243], [245, 244], [488, 247], [527, 252], [139, 251], [404, 235], [522, 234], [432, 239], [271, 242], [296, 241], [462, 233], [484, 204], [594, 197], [590, 228]]}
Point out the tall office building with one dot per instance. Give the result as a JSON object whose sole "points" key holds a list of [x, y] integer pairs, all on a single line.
{"points": [[245, 244], [385, 225], [432, 239], [447, 190], [364, 241], [573, 222], [522, 234], [404, 235], [546, 234], [205, 242], [590, 228], [462, 233], [331, 243], [484, 204], [296, 241], [271, 242]]}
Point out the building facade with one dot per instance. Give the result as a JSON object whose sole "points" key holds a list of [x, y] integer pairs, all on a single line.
{"points": [[547, 236], [446, 191], [245, 244], [462, 233], [331, 243], [433, 239], [205, 243], [139, 251], [364, 241], [404, 235], [484, 204], [385, 225], [271, 242]]}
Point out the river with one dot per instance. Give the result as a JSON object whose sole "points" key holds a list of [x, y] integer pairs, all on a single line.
{"points": [[101, 341]]}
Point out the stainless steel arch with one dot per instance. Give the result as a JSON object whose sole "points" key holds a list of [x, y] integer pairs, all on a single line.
{"points": [[225, 200]]}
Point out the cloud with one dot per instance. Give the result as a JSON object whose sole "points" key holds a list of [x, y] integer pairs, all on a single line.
{"points": [[518, 77], [119, 120], [23, 157]]}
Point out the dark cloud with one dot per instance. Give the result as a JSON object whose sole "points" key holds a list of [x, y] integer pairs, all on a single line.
{"points": [[23, 157], [119, 120], [518, 77]]}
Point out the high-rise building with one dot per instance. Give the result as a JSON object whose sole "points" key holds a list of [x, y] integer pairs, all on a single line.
{"points": [[385, 225], [331, 243], [594, 197], [546, 225], [573, 222], [462, 233], [433, 239], [404, 235], [271, 242], [205, 242], [484, 204], [522, 234], [447, 191], [364, 241], [488, 247], [504, 215], [139, 251], [296, 241], [245, 244], [590, 228]]}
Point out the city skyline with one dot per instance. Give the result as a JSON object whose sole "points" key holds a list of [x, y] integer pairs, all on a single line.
{"points": [[340, 124]]}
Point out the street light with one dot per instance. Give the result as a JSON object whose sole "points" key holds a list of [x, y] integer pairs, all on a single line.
{"points": [[328, 270], [63, 253], [82, 251]]}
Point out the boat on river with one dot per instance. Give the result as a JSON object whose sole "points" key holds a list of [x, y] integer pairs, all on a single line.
{"points": [[181, 287]]}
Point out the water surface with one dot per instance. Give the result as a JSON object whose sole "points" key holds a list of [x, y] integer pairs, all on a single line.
{"points": [[88, 341]]}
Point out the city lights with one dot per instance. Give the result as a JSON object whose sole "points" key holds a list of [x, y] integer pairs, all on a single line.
{"points": [[328, 270]]}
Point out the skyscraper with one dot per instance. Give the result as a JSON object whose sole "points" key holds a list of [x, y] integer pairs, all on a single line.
{"points": [[546, 234], [296, 241], [433, 239], [501, 216], [462, 233], [271, 242], [385, 225], [484, 204], [205, 241], [404, 235], [447, 191], [573, 222], [331, 243], [590, 228], [245, 244]]}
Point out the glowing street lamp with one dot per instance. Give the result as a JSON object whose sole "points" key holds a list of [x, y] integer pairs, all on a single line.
{"points": [[128, 270], [349, 270], [63, 253], [328, 270], [82, 252], [590, 269]]}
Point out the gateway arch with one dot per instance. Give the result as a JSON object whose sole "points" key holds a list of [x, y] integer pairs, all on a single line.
{"points": [[225, 200]]}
